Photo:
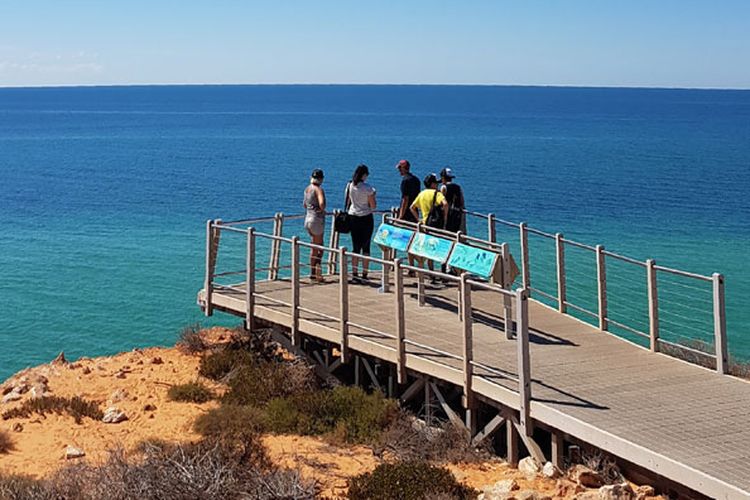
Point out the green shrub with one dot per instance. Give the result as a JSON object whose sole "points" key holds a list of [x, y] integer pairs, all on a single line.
{"points": [[257, 383], [408, 481], [6, 443], [76, 407], [345, 413], [229, 422], [192, 392], [217, 365]]}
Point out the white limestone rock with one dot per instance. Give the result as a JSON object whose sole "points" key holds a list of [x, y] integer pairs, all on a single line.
{"points": [[72, 452], [113, 415], [529, 467]]}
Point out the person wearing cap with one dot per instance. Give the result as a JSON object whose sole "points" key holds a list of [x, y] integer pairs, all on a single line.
{"points": [[409, 191], [314, 201], [454, 196]]}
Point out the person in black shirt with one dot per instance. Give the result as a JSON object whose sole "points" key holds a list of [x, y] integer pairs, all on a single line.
{"points": [[410, 188], [454, 195]]}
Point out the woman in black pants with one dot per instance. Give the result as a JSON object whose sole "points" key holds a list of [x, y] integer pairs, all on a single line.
{"points": [[360, 204]]}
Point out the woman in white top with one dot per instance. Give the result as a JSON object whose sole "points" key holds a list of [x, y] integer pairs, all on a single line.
{"points": [[360, 203]]}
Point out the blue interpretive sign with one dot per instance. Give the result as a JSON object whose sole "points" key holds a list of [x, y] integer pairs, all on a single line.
{"points": [[474, 260], [431, 247], [394, 237]]}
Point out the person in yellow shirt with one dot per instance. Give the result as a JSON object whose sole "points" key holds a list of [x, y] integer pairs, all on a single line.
{"points": [[430, 198], [427, 199]]}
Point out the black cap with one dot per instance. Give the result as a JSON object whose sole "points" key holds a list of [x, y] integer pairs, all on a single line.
{"points": [[317, 174], [429, 180], [447, 173]]}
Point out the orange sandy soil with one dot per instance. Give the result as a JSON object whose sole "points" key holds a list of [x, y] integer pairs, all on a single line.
{"points": [[146, 375]]}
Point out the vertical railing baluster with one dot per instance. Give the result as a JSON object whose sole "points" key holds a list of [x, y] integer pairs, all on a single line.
{"points": [[250, 281], [507, 300], [208, 282], [274, 246], [332, 243], [344, 303], [601, 287], [524, 359], [398, 283], [468, 342], [720, 325], [525, 267], [491, 232], [385, 270], [653, 306], [560, 257], [295, 291]]}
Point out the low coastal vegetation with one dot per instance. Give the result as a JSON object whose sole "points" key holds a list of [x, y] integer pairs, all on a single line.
{"points": [[191, 340], [6, 443], [206, 470], [191, 392], [77, 407], [408, 480]]}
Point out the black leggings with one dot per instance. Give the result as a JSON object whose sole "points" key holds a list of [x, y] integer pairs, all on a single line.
{"points": [[361, 230]]}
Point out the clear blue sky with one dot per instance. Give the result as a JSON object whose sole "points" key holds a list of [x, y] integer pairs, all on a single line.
{"points": [[654, 43]]}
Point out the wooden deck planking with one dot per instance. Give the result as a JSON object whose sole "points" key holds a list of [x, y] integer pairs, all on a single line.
{"points": [[647, 408]]}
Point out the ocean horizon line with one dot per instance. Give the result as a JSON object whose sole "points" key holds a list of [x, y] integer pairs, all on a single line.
{"points": [[345, 84]]}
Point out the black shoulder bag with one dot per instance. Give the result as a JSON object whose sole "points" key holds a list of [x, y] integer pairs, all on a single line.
{"points": [[435, 217], [342, 222]]}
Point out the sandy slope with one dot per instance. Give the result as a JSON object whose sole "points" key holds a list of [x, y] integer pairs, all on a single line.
{"points": [[133, 380]]}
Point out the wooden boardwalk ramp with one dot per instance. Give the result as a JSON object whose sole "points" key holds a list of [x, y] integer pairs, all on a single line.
{"points": [[555, 373]]}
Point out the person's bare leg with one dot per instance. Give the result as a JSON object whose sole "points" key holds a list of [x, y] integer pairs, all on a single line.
{"points": [[355, 265], [316, 267]]}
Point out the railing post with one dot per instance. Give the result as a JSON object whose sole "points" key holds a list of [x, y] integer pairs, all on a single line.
{"points": [[653, 306], [295, 291], [208, 282], [250, 281], [274, 247], [332, 243], [420, 288], [344, 304], [525, 268], [507, 312], [491, 234], [720, 325], [398, 280], [601, 285], [277, 257], [384, 275], [468, 341], [524, 360], [561, 293]]}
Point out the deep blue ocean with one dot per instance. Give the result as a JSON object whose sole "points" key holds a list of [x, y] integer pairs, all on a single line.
{"points": [[104, 192]]}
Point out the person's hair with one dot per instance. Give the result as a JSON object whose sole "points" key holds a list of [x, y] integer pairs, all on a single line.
{"points": [[429, 180], [359, 173]]}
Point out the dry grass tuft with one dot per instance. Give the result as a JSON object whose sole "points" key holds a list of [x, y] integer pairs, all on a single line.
{"points": [[6, 443], [192, 392], [191, 340], [76, 407]]}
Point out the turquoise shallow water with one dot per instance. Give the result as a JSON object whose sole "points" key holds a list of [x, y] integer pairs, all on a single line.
{"points": [[105, 191]]}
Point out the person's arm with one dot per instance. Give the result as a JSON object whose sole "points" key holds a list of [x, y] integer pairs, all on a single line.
{"points": [[404, 207], [414, 212], [445, 212], [321, 199], [304, 195], [372, 201]]}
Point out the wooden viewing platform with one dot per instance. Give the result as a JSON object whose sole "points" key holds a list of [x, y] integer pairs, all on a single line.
{"points": [[516, 363]]}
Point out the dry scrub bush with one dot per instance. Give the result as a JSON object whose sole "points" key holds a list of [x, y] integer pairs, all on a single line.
{"points": [[76, 407], [191, 340], [192, 392], [206, 470], [410, 439], [344, 414], [6, 443], [601, 463], [236, 426], [412, 480]]}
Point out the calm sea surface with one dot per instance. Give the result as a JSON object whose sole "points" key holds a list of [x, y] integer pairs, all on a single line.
{"points": [[104, 192]]}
